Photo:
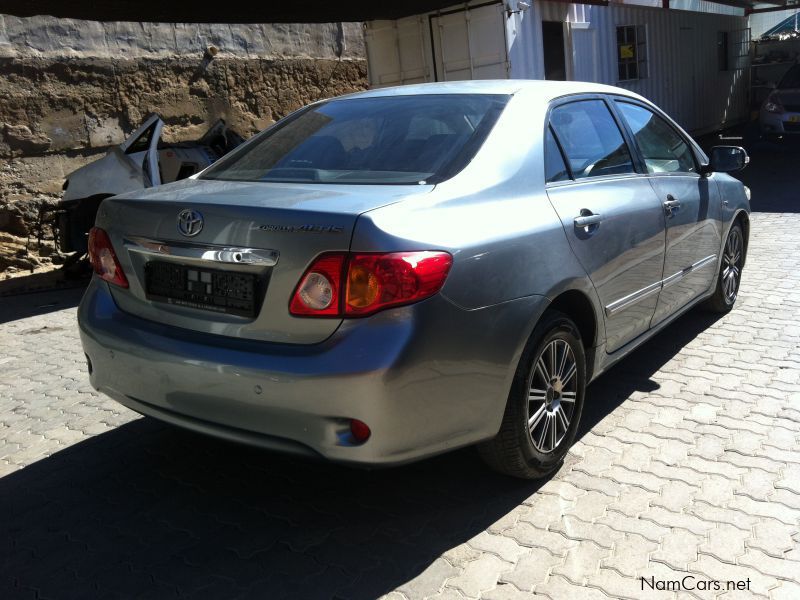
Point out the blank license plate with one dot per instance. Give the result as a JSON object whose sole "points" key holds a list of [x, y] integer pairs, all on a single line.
{"points": [[207, 289]]}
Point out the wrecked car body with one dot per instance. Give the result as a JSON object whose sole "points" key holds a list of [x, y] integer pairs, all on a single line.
{"points": [[142, 161]]}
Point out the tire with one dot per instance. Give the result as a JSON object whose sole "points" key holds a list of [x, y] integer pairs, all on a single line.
{"points": [[526, 452], [730, 272]]}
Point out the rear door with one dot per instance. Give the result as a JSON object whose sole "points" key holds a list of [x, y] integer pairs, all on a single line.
{"points": [[612, 218], [691, 207]]}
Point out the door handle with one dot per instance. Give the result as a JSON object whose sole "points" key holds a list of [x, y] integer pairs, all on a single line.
{"points": [[587, 220], [671, 206]]}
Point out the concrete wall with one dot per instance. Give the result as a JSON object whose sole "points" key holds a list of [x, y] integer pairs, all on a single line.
{"points": [[49, 37], [72, 88]]}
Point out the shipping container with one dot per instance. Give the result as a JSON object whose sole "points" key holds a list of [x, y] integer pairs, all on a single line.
{"points": [[695, 65]]}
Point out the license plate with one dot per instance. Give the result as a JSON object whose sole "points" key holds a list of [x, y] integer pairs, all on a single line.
{"points": [[794, 119], [206, 289]]}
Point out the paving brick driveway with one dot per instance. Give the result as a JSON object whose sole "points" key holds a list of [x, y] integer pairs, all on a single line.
{"points": [[688, 463]]}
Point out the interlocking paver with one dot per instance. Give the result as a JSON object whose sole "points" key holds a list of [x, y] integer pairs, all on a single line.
{"points": [[503, 547], [527, 535], [479, 575], [430, 581], [674, 496], [768, 565], [725, 542], [631, 555], [787, 590], [690, 463], [577, 529], [643, 527], [677, 549], [532, 569], [772, 537], [582, 561]]}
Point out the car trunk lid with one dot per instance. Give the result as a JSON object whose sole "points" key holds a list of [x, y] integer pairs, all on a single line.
{"points": [[255, 241]]}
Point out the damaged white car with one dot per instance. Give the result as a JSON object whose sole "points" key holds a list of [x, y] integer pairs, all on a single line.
{"points": [[141, 161]]}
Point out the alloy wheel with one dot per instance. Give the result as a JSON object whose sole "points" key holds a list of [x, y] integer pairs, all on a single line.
{"points": [[732, 265], [552, 390]]}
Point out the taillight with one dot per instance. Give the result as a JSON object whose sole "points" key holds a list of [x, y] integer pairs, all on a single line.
{"points": [[104, 260], [356, 285], [318, 292]]}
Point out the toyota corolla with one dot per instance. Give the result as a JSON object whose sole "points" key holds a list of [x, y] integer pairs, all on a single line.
{"points": [[393, 274]]}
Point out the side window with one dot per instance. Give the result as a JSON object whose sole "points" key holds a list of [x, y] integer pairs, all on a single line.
{"points": [[664, 151], [142, 143], [591, 140], [554, 167]]}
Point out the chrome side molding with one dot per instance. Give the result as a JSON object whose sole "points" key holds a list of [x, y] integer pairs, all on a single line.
{"points": [[211, 253], [633, 298], [676, 277], [656, 287]]}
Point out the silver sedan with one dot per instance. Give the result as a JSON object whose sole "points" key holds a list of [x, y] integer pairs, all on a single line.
{"points": [[780, 113], [393, 274]]}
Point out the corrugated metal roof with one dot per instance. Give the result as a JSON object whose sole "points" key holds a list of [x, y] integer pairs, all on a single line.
{"points": [[307, 11], [191, 11]]}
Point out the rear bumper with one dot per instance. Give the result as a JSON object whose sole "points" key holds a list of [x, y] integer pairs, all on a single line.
{"points": [[425, 378], [779, 124]]}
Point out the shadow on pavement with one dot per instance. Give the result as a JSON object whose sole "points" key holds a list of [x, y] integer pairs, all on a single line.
{"points": [[147, 510], [22, 306], [634, 373], [150, 511]]}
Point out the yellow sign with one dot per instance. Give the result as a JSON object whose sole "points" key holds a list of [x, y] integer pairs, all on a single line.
{"points": [[626, 51], [794, 119]]}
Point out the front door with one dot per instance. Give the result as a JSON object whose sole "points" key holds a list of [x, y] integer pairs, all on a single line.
{"points": [[691, 207], [612, 218]]}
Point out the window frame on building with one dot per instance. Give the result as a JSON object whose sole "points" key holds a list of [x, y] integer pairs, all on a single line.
{"points": [[631, 44]]}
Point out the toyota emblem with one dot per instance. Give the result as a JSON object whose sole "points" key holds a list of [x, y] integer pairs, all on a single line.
{"points": [[190, 222]]}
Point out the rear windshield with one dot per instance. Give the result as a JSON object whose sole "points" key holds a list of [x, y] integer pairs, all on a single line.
{"points": [[791, 80], [383, 140]]}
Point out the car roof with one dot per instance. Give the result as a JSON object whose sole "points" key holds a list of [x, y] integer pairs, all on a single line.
{"points": [[545, 90]]}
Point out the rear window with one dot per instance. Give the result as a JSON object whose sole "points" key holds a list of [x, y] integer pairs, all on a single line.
{"points": [[384, 140]]}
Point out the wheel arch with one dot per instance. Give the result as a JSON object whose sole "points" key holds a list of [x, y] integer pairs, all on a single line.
{"points": [[743, 219], [579, 307]]}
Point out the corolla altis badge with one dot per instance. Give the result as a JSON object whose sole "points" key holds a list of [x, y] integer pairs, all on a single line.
{"points": [[302, 228], [190, 222]]}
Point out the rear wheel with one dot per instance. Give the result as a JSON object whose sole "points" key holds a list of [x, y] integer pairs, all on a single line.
{"points": [[545, 403], [730, 272]]}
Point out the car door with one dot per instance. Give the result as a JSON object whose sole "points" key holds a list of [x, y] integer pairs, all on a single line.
{"points": [[691, 206], [141, 148], [612, 217]]}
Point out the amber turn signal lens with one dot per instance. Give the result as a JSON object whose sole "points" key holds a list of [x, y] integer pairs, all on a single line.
{"points": [[363, 287]]}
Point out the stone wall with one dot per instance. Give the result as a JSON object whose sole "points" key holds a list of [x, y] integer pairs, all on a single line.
{"points": [[70, 89]]}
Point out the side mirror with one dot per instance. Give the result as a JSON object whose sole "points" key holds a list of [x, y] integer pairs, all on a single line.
{"points": [[726, 159]]}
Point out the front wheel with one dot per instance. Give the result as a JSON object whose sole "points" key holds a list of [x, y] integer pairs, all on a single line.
{"points": [[545, 403], [730, 272]]}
